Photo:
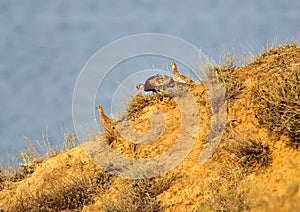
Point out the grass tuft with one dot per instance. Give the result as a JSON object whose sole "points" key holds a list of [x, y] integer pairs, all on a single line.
{"points": [[140, 101], [71, 193], [140, 195], [33, 155], [70, 141], [102, 180], [225, 73], [251, 154], [227, 192], [74, 193], [276, 100]]}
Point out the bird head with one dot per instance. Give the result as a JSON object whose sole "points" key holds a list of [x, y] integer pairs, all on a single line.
{"points": [[173, 65], [139, 87], [99, 108]]}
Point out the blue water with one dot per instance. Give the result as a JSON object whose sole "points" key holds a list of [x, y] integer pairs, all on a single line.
{"points": [[45, 44]]}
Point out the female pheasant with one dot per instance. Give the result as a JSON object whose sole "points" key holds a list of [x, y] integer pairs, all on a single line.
{"points": [[106, 122], [178, 77]]}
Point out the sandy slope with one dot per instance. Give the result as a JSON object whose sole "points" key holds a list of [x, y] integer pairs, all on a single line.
{"points": [[199, 187]]}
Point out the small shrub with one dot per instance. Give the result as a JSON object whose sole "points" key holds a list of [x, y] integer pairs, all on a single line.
{"points": [[276, 102], [140, 195], [251, 154], [72, 195], [225, 73], [102, 180], [140, 101]]}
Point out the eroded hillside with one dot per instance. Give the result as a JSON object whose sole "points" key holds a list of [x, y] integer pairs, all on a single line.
{"points": [[255, 167]]}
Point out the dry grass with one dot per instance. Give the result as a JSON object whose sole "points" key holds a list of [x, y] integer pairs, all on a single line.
{"points": [[109, 137], [67, 192], [74, 193], [70, 141], [102, 180], [2, 179], [32, 156], [241, 156], [251, 154], [276, 98], [140, 101], [227, 192], [225, 73], [140, 195]]}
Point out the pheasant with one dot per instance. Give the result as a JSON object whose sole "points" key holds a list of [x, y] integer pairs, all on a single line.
{"points": [[178, 77], [110, 128], [106, 122], [156, 83], [161, 83]]}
